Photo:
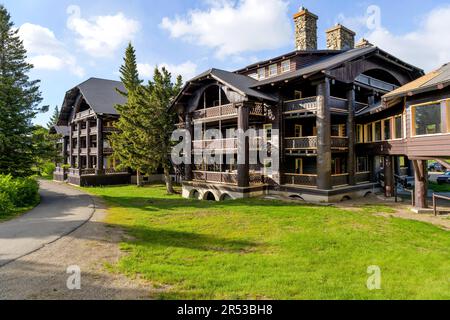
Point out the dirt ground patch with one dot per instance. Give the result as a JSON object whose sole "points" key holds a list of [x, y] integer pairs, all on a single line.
{"points": [[43, 274]]}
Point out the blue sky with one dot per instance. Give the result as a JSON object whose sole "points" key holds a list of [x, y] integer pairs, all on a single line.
{"points": [[70, 41]]}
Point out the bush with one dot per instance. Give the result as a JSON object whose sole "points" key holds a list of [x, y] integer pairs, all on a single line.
{"points": [[21, 192], [48, 168], [5, 204]]}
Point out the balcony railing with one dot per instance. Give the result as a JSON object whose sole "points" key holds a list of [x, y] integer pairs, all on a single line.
{"points": [[110, 129], [92, 171], [310, 143], [310, 105], [225, 177], [226, 111], [309, 180], [84, 114], [372, 82]]}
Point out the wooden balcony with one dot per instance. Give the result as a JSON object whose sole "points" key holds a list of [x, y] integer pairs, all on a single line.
{"points": [[84, 115], [110, 129], [375, 83], [92, 171], [108, 150], [308, 180], [227, 145], [93, 151], [225, 177], [309, 144], [308, 106], [227, 111]]}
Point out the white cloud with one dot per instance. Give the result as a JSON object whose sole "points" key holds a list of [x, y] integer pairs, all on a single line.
{"points": [[45, 51], [101, 36], [234, 27], [426, 46], [187, 69]]}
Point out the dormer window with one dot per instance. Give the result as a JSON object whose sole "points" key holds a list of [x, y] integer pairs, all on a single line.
{"points": [[285, 66], [261, 73], [273, 70]]}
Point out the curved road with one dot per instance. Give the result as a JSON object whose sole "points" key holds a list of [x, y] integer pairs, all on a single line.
{"points": [[62, 210]]}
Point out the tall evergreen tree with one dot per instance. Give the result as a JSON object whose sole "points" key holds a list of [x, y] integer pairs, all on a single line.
{"points": [[157, 123], [54, 118], [19, 100], [124, 142]]}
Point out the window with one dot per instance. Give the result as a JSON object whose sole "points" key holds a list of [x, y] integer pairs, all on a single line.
{"points": [[359, 133], [338, 166], [369, 132], [398, 127], [273, 70], [285, 66], [268, 172], [299, 166], [362, 164], [387, 129], [338, 130], [254, 76], [377, 131], [261, 73], [427, 119], [298, 131]]}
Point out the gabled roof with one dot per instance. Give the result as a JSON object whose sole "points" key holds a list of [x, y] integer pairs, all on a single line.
{"points": [[61, 130], [429, 82], [332, 62], [240, 83], [102, 95]]}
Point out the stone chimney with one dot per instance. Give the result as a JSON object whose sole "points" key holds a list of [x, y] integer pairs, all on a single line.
{"points": [[305, 30], [363, 43], [340, 38]]}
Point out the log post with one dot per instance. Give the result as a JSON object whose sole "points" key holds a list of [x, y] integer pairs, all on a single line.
{"points": [[243, 147], [190, 132], [100, 168], [388, 177], [323, 136], [88, 144], [351, 160], [79, 145], [421, 184]]}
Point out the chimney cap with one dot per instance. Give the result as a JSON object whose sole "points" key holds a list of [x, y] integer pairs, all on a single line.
{"points": [[303, 11], [363, 43], [341, 27]]}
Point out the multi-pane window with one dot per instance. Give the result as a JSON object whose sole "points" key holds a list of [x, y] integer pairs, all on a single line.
{"points": [[299, 166], [377, 130], [398, 121], [359, 133], [261, 73], [285, 66], [369, 133], [338, 130], [387, 129], [362, 164], [273, 70], [427, 119], [298, 131]]}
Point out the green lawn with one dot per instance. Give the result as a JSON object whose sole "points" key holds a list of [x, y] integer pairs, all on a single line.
{"points": [[439, 187], [258, 249]]}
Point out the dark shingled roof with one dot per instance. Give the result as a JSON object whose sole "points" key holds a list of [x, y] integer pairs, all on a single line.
{"points": [[61, 130], [328, 63], [242, 84], [101, 95], [426, 83]]}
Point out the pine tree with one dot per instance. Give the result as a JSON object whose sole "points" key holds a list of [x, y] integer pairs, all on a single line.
{"points": [[124, 142], [19, 98], [54, 118], [157, 123]]}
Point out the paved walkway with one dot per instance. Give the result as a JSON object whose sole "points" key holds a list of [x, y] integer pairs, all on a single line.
{"points": [[62, 210]]}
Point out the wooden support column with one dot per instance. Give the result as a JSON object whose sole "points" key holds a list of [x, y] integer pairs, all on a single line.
{"points": [[79, 145], [64, 155], [243, 148], [351, 129], [323, 136], [190, 131], [421, 183], [389, 184], [88, 144], [99, 169]]}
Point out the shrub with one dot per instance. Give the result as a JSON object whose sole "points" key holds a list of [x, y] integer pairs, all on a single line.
{"points": [[5, 204], [21, 192], [48, 168]]}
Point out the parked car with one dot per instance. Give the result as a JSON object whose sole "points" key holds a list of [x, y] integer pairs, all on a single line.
{"points": [[436, 167], [444, 178]]}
